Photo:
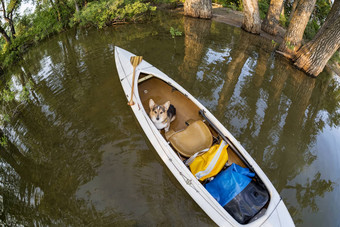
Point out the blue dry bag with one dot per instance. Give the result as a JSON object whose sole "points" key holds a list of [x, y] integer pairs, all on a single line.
{"points": [[235, 190]]}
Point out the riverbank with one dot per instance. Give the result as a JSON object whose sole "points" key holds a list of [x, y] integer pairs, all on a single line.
{"points": [[235, 18]]}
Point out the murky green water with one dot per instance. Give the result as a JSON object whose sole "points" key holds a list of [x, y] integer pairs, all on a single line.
{"points": [[77, 157]]}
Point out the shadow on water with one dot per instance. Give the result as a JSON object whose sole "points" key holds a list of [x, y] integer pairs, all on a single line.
{"points": [[76, 155]]}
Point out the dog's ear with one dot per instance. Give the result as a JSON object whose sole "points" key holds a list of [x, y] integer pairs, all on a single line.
{"points": [[166, 105], [151, 104]]}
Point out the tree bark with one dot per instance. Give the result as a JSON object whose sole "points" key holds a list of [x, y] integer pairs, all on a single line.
{"points": [[271, 21], [295, 3], [251, 22], [314, 55], [294, 34], [198, 8]]}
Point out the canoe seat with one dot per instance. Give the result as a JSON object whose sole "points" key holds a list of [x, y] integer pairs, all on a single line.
{"points": [[196, 137]]}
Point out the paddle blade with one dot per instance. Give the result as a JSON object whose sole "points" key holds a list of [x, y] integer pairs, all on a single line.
{"points": [[135, 60]]}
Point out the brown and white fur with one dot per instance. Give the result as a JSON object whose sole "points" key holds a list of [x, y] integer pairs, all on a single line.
{"points": [[162, 115]]}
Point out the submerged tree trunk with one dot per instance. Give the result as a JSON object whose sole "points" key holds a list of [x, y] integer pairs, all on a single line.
{"points": [[294, 34], [314, 55], [251, 22], [271, 21], [198, 8]]}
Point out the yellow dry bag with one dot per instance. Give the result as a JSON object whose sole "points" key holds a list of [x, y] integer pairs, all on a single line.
{"points": [[209, 163]]}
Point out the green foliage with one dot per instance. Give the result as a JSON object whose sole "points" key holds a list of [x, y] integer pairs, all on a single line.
{"points": [[50, 19], [104, 13], [263, 8], [42, 23], [336, 58], [311, 29], [274, 44], [175, 32], [283, 21], [290, 46], [13, 4], [3, 141], [321, 10]]}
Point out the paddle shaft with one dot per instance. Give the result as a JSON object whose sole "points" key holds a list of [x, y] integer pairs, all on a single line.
{"points": [[131, 102], [135, 60]]}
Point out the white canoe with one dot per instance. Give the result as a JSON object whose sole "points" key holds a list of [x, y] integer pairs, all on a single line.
{"points": [[275, 213]]}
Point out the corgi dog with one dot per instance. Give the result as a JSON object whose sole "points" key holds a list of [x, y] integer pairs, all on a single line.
{"points": [[162, 115]]}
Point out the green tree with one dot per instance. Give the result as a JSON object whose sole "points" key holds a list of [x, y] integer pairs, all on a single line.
{"points": [[8, 11]]}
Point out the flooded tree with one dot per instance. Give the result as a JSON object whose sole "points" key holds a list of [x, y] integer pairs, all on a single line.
{"points": [[293, 37], [270, 23], [198, 8], [251, 22], [314, 55]]}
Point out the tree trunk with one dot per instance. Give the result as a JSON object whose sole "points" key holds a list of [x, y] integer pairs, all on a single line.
{"points": [[295, 3], [332, 15], [313, 56], [271, 21], [198, 8], [11, 25], [251, 22], [294, 34], [6, 37]]}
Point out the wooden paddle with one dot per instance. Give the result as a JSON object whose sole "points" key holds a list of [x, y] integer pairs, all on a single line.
{"points": [[135, 60]]}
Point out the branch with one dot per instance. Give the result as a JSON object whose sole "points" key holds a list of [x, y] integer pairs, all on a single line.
{"points": [[3, 8]]}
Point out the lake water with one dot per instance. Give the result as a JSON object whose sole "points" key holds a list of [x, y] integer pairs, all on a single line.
{"points": [[76, 155]]}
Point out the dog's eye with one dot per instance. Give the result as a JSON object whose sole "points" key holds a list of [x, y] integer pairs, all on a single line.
{"points": [[161, 112], [155, 111]]}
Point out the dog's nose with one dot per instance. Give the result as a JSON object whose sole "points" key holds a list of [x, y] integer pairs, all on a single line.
{"points": [[157, 118]]}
